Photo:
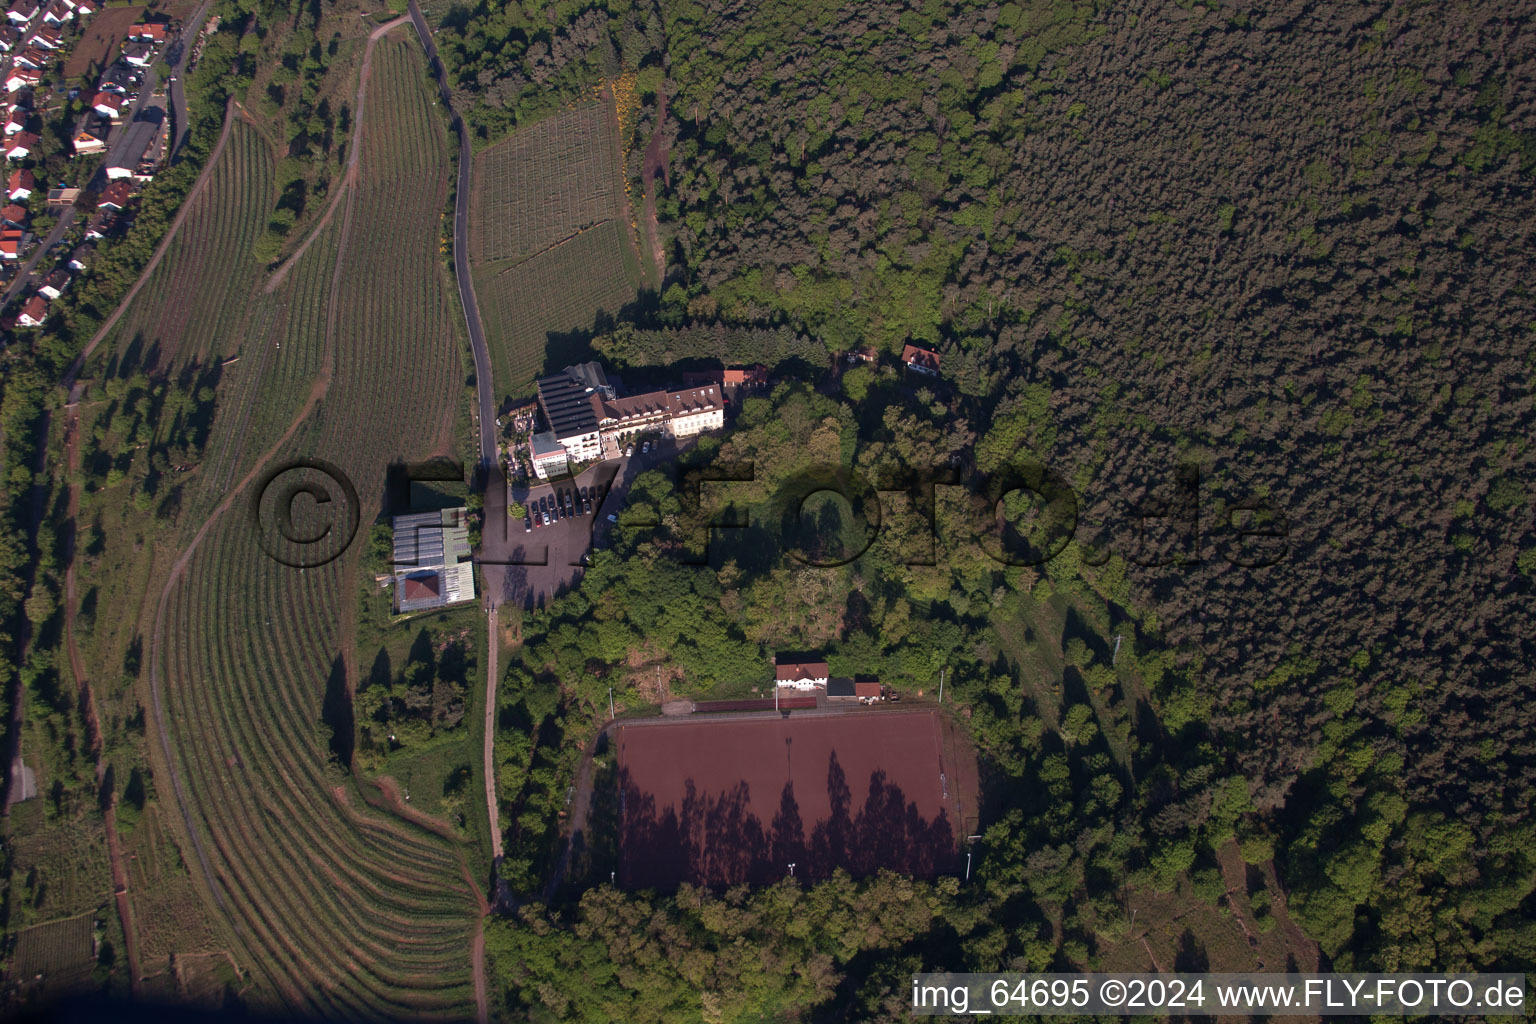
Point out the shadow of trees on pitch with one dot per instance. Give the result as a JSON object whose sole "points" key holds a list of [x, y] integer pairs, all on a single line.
{"points": [[716, 838]]}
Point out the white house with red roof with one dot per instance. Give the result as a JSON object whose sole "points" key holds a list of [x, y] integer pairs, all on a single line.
{"points": [[34, 313], [20, 145], [34, 57], [20, 185], [107, 104], [22, 78]]}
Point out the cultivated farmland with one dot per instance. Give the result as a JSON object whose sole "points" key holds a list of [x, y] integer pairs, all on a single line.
{"points": [[551, 241], [190, 308], [329, 906], [58, 950], [546, 183], [539, 312]]}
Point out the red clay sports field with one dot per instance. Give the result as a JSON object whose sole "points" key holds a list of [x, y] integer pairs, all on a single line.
{"points": [[723, 801]]}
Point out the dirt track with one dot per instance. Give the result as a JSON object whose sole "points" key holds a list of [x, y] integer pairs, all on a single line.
{"points": [[88, 705], [349, 179]]}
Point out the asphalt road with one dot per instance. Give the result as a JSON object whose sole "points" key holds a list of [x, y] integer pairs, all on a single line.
{"points": [[483, 385], [178, 114]]}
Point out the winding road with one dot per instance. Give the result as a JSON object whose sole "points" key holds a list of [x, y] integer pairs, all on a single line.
{"points": [[488, 473]]}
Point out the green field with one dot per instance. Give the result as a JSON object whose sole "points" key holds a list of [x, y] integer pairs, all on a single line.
{"points": [[551, 242], [58, 951], [329, 904]]}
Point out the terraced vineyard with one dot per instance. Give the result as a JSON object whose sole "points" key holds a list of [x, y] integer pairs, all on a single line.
{"points": [[543, 308], [545, 183], [550, 241], [330, 906], [190, 303]]}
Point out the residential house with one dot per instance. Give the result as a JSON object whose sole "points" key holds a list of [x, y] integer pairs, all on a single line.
{"points": [[800, 671], [20, 185], [431, 560], [85, 8], [22, 11], [10, 248], [148, 31], [139, 54], [81, 257], [33, 57], [920, 359], [116, 195], [20, 145], [34, 313], [14, 215], [10, 38], [57, 13], [54, 284], [108, 105], [102, 225], [118, 78], [22, 78], [46, 39], [63, 195], [16, 120], [91, 140]]}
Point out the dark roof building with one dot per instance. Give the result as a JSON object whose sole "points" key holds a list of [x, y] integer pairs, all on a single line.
{"points": [[921, 359], [431, 558]]}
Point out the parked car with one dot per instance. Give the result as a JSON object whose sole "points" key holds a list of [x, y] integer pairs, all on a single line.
{"points": [[613, 517], [527, 525], [629, 451], [546, 518], [646, 447]]}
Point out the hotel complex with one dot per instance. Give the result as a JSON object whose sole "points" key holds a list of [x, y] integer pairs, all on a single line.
{"points": [[588, 422]]}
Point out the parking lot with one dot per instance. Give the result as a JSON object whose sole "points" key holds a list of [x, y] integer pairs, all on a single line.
{"points": [[530, 562]]}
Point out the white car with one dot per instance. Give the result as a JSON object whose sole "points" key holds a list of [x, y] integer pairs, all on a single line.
{"points": [[546, 518], [629, 451], [646, 447]]}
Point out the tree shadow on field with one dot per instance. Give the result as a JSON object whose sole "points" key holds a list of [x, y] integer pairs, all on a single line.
{"points": [[336, 712], [565, 348], [710, 834]]}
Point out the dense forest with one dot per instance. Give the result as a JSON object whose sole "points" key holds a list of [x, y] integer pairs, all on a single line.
{"points": [[1278, 253]]}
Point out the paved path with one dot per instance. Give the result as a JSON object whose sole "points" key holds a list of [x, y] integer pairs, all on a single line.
{"points": [[491, 670], [483, 385], [488, 473]]}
